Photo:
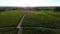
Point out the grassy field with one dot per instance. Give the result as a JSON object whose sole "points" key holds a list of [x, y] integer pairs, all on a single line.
{"points": [[40, 31], [44, 19], [56, 14], [8, 30], [10, 18], [37, 19], [48, 21]]}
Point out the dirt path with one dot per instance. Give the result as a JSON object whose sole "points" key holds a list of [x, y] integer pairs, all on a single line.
{"points": [[19, 25]]}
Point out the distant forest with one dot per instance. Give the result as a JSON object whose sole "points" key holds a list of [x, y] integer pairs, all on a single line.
{"points": [[35, 8]]}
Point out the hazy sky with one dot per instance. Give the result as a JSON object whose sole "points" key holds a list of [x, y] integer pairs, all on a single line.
{"points": [[31, 3]]}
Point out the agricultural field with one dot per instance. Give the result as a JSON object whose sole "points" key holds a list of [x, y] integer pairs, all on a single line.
{"points": [[44, 19], [40, 31], [8, 30], [10, 18], [37, 19], [38, 22], [9, 21], [56, 14]]}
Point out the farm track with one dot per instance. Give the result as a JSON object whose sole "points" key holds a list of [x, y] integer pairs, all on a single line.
{"points": [[20, 23], [19, 26]]}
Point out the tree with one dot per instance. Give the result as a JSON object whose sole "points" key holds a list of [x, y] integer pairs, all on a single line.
{"points": [[2, 9], [57, 9]]}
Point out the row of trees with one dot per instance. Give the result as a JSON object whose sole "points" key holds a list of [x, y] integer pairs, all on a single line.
{"points": [[8, 8], [36, 8], [57, 9]]}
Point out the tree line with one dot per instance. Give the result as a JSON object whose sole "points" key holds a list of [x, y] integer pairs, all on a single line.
{"points": [[57, 9]]}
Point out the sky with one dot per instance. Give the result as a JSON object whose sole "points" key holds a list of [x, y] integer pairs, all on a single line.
{"points": [[30, 3]]}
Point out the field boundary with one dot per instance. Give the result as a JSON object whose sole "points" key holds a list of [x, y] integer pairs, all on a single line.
{"points": [[43, 27]]}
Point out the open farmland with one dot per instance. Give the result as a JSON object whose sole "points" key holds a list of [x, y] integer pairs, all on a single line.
{"points": [[40, 31], [37, 19], [9, 21], [34, 22], [8, 30], [43, 19], [10, 18], [56, 14]]}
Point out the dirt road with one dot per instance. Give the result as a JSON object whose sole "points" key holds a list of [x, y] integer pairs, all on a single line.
{"points": [[19, 25]]}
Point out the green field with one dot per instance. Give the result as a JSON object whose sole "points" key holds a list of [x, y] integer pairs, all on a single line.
{"points": [[9, 21], [38, 22], [40, 31], [44, 19], [8, 30], [37, 19], [10, 18]]}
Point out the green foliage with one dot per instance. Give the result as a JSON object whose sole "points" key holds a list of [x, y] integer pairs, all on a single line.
{"points": [[2, 9], [57, 9]]}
